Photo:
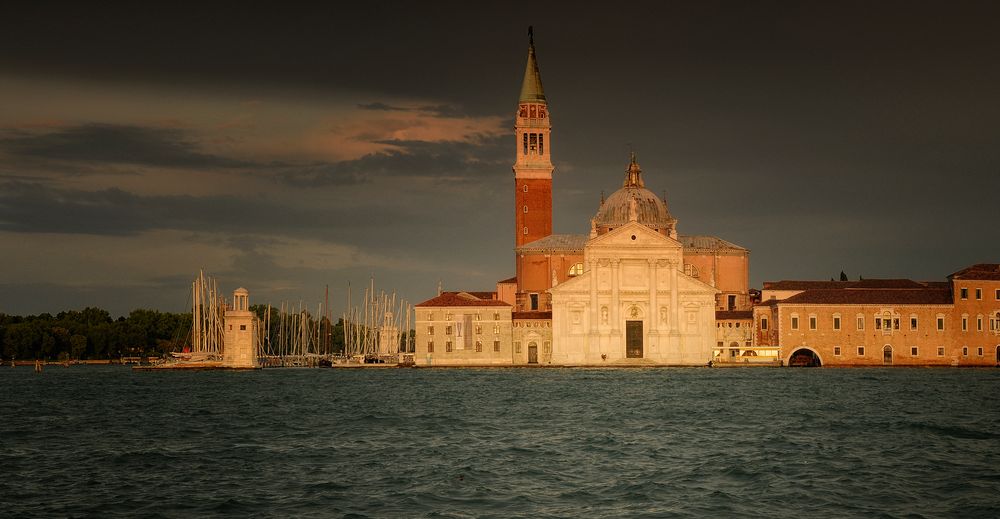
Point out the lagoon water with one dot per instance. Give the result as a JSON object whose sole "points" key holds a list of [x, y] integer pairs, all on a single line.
{"points": [[106, 441]]}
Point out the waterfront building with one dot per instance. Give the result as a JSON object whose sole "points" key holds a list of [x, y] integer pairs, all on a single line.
{"points": [[877, 322]]}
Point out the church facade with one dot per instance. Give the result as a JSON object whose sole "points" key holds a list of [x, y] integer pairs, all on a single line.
{"points": [[631, 292]]}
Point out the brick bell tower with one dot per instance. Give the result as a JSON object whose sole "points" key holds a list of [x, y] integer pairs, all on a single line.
{"points": [[533, 166]]}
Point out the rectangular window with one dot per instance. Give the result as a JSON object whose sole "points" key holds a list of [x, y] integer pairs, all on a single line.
{"points": [[965, 351], [430, 346], [979, 324], [496, 329], [812, 322], [940, 351], [861, 351], [913, 323], [895, 323], [447, 317], [496, 316], [836, 323], [517, 347], [979, 351], [533, 142], [861, 322], [525, 144], [965, 324], [447, 346], [243, 327], [836, 350], [795, 323], [878, 323], [430, 330], [913, 351], [763, 323], [940, 323], [534, 301], [997, 295], [979, 293], [479, 346], [963, 293], [479, 329], [447, 330], [477, 317], [496, 345]]}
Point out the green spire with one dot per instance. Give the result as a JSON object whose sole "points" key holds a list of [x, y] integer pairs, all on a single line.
{"points": [[531, 88]]}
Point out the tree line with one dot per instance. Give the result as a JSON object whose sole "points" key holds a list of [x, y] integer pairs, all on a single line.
{"points": [[92, 333]]}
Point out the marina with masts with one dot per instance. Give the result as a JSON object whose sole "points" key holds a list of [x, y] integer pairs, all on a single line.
{"points": [[235, 335]]}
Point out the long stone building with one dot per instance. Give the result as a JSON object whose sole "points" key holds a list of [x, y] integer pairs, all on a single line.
{"points": [[881, 322]]}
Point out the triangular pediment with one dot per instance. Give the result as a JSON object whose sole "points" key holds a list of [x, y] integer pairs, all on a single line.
{"points": [[633, 234]]}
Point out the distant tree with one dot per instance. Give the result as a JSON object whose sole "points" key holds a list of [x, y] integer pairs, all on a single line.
{"points": [[843, 277], [78, 346]]}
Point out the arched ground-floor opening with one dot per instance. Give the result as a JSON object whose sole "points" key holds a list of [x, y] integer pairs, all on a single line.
{"points": [[804, 358], [887, 355], [998, 354]]}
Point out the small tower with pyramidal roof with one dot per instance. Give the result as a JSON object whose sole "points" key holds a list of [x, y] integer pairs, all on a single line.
{"points": [[533, 159]]}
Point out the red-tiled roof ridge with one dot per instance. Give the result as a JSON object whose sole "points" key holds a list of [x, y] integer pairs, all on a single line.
{"points": [[508, 280], [861, 296], [460, 299], [979, 271], [879, 283]]}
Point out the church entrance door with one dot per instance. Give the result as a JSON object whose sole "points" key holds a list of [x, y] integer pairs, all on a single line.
{"points": [[633, 339], [532, 353]]}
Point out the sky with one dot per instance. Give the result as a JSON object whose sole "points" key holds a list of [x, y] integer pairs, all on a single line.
{"points": [[289, 147]]}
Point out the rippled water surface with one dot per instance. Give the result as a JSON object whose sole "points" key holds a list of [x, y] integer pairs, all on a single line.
{"points": [[106, 441]]}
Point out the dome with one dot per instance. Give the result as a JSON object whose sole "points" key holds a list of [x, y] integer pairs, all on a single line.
{"points": [[650, 210]]}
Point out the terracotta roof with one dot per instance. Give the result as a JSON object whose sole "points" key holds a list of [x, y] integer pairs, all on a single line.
{"points": [[721, 315], [531, 315], [482, 295], [508, 280], [706, 242], [565, 242], [864, 296], [786, 284], [459, 299], [979, 271], [827, 285]]}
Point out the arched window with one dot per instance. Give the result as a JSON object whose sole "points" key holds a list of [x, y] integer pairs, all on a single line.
{"points": [[576, 270]]}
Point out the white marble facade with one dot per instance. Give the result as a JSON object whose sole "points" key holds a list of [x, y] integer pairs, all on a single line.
{"points": [[633, 286]]}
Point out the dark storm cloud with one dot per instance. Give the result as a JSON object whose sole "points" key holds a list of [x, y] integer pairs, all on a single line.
{"points": [[38, 208], [110, 143], [447, 161]]}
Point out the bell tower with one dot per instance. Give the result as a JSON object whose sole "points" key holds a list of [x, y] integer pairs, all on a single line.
{"points": [[533, 164]]}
